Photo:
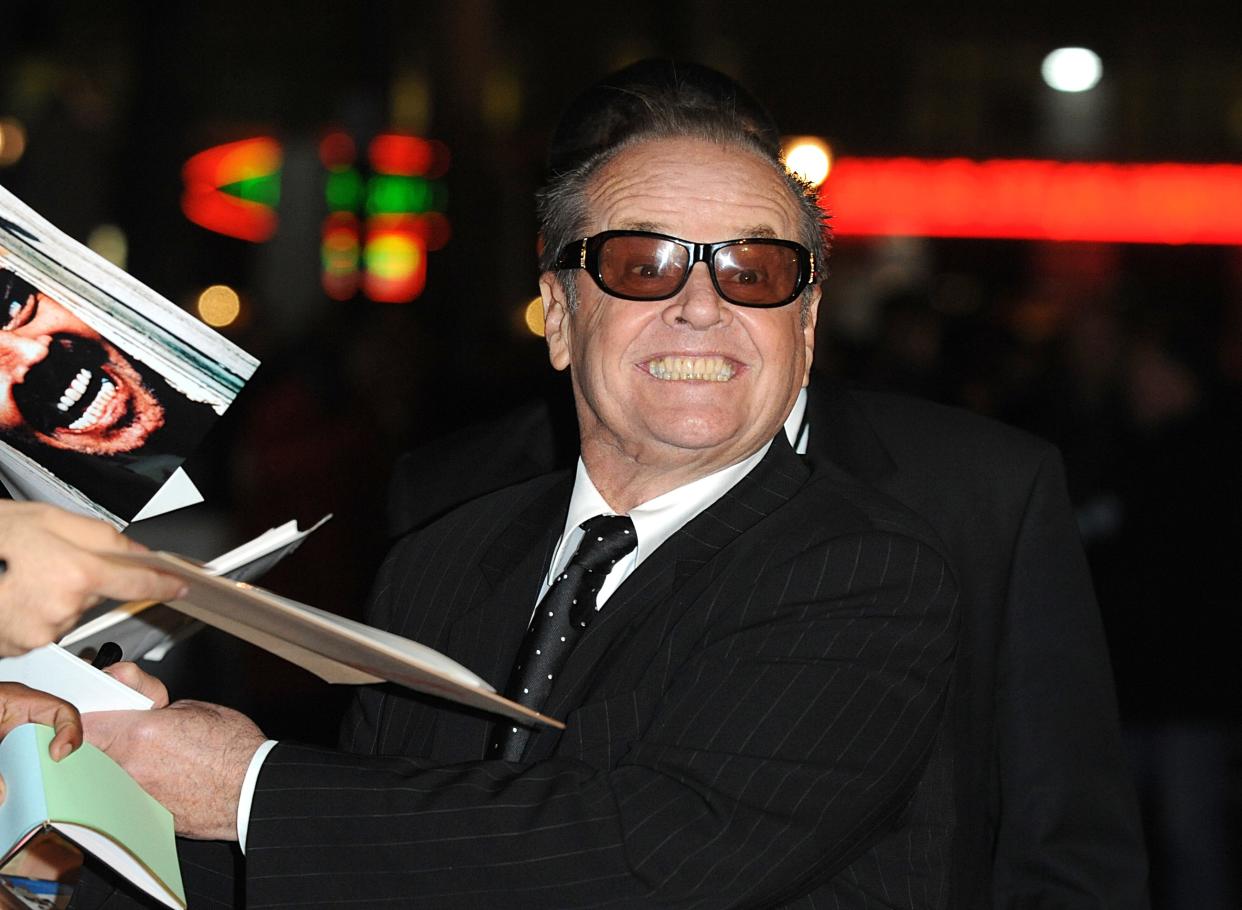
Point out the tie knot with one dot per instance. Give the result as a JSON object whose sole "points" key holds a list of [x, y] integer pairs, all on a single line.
{"points": [[605, 539]]}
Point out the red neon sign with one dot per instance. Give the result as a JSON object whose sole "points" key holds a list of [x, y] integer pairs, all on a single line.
{"points": [[1036, 200]]}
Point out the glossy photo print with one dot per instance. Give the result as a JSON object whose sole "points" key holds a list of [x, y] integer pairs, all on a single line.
{"points": [[105, 387]]}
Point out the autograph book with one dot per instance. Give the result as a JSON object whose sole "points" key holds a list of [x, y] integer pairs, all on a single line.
{"points": [[88, 801], [334, 648]]}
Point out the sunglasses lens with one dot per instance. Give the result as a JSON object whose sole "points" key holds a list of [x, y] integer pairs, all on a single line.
{"points": [[642, 268], [756, 273]]}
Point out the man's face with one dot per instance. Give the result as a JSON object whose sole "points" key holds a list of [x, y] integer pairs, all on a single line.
{"points": [[692, 381], [62, 384]]}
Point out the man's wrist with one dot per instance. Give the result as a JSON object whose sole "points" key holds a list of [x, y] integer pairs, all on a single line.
{"points": [[246, 798]]}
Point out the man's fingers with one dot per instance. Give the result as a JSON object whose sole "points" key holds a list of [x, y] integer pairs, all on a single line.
{"points": [[21, 705], [132, 582], [68, 725], [146, 684]]}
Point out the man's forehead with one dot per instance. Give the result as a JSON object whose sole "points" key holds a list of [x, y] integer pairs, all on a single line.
{"points": [[670, 185]]}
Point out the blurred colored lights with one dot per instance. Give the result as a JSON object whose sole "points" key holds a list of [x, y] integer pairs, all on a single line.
{"points": [[12, 141], [1036, 200], [1072, 69], [218, 306], [110, 242], [532, 315], [233, 189], [809, 158]]}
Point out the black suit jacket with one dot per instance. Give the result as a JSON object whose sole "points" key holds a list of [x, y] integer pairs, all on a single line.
{"points": [[755, 716], [1046, 814]]}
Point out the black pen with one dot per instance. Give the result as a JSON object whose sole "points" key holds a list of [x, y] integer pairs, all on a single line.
{"points": [[108, 654]]}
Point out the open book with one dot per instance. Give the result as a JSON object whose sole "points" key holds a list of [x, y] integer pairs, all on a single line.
{"points": [[334, 648], [87, 800]]}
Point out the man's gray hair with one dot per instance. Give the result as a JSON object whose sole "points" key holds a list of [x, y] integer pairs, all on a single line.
{"points": [[678, 110]]}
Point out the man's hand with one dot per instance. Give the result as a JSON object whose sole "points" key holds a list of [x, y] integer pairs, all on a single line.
{"points": [[190, 755], [52, 572], [22, 705]]}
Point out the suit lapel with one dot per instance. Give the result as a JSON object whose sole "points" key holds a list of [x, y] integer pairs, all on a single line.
{"points": [[485, 636], [665, 572]]}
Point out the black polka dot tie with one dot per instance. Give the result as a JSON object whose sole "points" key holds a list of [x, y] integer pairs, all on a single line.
{"points": [[563, 613]]}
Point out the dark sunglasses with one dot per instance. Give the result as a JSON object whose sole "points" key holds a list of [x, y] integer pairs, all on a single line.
{"points": [[641, 265]]}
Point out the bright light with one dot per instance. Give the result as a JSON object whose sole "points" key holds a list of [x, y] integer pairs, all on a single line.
{"points": [[1036, 200], [1072, 69], [109, 241], [534, 316], [12, 141], [809, 158], [219, 306]]}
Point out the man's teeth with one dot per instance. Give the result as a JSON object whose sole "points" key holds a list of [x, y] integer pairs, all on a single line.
{"points": [[75, 391], [707, 369], [96, 408]]}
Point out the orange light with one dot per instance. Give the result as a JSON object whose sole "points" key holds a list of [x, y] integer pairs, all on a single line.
{"points": [[1036, 200], [216, 180], [340, 249]]}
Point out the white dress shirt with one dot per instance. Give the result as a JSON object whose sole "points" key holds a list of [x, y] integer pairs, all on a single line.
{"points": [[655, 521]]}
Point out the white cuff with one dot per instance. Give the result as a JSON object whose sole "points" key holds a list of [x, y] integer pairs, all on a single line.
{"points": [[247, 791]]}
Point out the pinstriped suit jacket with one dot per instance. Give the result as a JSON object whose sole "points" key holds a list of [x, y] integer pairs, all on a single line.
{"points": [[753, 720]]}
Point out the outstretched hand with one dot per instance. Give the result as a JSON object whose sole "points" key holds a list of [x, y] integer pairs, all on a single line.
{"points": [[51, 570]]}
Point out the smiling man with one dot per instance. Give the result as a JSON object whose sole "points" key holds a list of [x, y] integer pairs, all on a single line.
{"points": [[751, 660]]}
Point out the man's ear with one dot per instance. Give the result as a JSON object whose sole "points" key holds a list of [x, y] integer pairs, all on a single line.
{"points": [[808, 332], [555, 316]]}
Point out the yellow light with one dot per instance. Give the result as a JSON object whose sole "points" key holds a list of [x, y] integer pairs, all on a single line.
{"points": [[534, 316], [219, 306], [809, 157], [12, 141], [109, 241]]}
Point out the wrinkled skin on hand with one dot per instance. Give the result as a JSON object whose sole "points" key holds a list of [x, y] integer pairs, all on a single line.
{"points": [[190, 755]]}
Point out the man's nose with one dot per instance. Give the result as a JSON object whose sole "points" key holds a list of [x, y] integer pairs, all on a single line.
{"points": [[18, 353], [697, 304]]}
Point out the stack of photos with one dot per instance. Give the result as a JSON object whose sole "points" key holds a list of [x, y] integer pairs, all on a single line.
{"points": [[105, 386]]}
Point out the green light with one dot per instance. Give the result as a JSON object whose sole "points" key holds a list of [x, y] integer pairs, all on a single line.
{"points": [[343, 190], [389, 194], [263, 189]]}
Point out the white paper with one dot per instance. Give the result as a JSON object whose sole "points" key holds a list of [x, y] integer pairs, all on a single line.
{"points": [[177, 492], [53, 669]]}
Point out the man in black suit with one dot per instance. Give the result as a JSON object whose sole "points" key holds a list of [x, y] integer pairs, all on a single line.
{"points": [[1045, 810], [755, 713]]}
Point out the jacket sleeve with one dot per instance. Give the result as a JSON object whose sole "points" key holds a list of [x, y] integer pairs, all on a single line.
{"points": [[772, 737]]}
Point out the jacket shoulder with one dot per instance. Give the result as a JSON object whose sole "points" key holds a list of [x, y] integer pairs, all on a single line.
{"points": [[930, 424]]}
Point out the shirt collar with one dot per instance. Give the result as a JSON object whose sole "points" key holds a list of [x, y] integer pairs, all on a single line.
{"points": [[655, 520]]}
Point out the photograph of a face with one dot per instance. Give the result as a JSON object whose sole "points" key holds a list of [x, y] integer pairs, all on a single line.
{"points": [[105, 387]]}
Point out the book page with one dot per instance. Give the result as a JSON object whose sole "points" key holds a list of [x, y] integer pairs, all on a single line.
{"points": [[99, 807], [53, 669]]}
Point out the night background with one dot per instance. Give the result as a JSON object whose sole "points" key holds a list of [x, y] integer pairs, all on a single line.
{"points": [[1126, 355]]}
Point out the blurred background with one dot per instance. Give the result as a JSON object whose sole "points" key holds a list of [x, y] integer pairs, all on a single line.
{"points": [[346, 190]]}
